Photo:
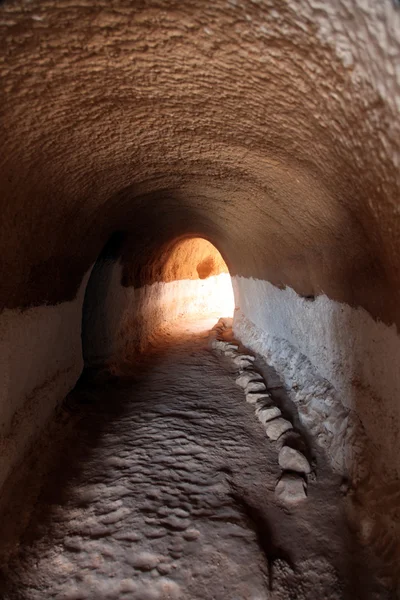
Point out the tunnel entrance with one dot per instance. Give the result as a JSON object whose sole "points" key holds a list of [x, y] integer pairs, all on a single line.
{"points": [[203, 283], [187, 280]]}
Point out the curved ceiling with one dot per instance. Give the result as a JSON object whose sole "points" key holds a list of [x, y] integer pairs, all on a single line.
{"points": [[235, 121]]}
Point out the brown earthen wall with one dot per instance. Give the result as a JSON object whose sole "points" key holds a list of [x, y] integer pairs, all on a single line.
{"points": [[233, 121]]}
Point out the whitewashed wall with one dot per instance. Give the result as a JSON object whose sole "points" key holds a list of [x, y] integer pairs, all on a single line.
{"points": [[40, 362]]}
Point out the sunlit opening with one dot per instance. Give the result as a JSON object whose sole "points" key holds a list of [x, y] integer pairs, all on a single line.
{"points": [[203, 282]]}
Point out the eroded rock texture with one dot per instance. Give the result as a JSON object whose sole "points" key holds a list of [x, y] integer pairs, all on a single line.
{"points": [[241, 121], [167, 493], [271, 130]]}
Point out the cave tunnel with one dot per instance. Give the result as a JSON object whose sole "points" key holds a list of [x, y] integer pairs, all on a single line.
{"points": [[200, 209], [186, 279]]}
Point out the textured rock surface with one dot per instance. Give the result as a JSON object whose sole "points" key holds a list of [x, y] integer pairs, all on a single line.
{"points": [[255, 126], [266, 414], [338, 362], [291, 489], [373, 504], [245, 378], [253, 397], [243, 361], [271, 129], [164, 489], [255, 386], [291, 459], [40, 362], [277, 427]]}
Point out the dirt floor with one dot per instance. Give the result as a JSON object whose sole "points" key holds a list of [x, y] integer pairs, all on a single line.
{"points": [[163, 488]]}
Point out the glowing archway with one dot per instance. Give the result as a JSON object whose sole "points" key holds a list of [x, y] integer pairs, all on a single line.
{"points": [[205, 287]]}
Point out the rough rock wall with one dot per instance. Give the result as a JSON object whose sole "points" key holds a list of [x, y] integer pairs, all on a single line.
{"points": [[272, 129], [337, 364], [40, 362], [346, 347], [267, 127]]}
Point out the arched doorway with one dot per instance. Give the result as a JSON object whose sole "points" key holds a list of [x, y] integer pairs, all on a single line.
{"points": [[187, 280], [197, 280]]}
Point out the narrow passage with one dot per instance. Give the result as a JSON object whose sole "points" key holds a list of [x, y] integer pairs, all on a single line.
{"points": [[165, 490]]}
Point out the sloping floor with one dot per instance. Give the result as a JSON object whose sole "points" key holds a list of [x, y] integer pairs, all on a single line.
{"points": [[163, 488]]}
